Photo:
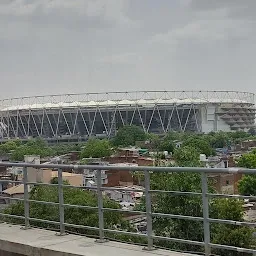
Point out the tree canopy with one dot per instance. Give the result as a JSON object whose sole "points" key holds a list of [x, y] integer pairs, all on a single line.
{"points": [[96, 148], [248, 160], [187, 205], [186, 156], [32, 147], [78, 216], [200, 144], [128, 135], [226, 234], [35, 147], [247, 185]]}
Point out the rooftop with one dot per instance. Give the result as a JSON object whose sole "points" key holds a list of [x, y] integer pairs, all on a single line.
{"points": [[45, 243], [19, 189], [125, 99]]}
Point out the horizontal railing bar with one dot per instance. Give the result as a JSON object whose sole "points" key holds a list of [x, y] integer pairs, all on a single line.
{"points": [[122, 189], [131, 168], [44, 221], [106, 188], [80, 226], [124, 232], [174, 216], [12, 216], [42, 183], [81, 187], [232, 222], [176, 192], [11, 198], [42, 202], [124, 211], [232, 248], [178, 240], [231, 196], [81, 206]]}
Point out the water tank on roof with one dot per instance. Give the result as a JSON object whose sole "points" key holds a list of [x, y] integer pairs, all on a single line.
{"points": [[203, 158]]}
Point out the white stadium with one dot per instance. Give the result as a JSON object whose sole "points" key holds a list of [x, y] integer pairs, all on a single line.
{"points": [[102, 114]]}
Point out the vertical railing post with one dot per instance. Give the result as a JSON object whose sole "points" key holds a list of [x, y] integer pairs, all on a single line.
{"points": [[26, 198], [61, 203], [148, 211], [100, 209], [206, 222]]}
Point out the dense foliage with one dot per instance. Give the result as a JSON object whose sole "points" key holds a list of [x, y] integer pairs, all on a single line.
{"points": [[35, 147], [247, 186], [128, 135], [200, 144], [187, 205], [232, 235], [96, 149], [73, 215], [248, 160], [186, 156]]}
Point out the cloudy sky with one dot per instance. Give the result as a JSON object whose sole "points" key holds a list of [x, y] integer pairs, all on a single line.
{"points": [[72, 46]]}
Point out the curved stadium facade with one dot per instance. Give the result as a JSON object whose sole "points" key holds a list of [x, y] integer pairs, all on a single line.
{"points": [[102, 114]]}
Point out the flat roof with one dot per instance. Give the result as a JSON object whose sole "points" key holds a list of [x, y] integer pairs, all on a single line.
{"points": [[108, 99], [124, 103], [14, 239]]}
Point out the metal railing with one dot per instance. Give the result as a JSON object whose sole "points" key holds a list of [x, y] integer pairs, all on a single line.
{"points": [[149, 236]]}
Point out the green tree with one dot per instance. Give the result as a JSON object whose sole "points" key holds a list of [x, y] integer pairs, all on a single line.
{"points": [[8, 146], [128, 135], [172, 204], [201, 144], [248, 160], [218, 139], [186, 156], [32, 147], [247, 185], [167, 144], [73, 215], [96, 148], [231, 235], [62, 149], [187, 205]]}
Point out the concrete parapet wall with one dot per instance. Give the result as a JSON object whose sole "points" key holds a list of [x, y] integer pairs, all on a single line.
{"points": [[37, 242]]}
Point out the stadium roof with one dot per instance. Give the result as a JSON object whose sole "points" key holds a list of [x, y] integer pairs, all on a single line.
{"points": [[94, 100], [93, 104]]}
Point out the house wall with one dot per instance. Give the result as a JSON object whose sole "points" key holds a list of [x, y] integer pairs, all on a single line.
{"points": [[119, 178], [226, 183]]}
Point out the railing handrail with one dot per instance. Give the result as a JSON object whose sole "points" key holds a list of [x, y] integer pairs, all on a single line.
{"points": [[132, 168], [205, 219]]}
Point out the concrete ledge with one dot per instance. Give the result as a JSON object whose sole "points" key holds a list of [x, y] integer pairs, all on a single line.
{"points": [[38, 242]]}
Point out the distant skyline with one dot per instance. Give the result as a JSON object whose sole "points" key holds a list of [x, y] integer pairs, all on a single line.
{"points": [[78, 46]]}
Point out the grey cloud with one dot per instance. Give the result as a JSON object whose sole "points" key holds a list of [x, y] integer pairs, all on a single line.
{"points": [[91, 13], [216, 4], [237, 9], [70, 48]]}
